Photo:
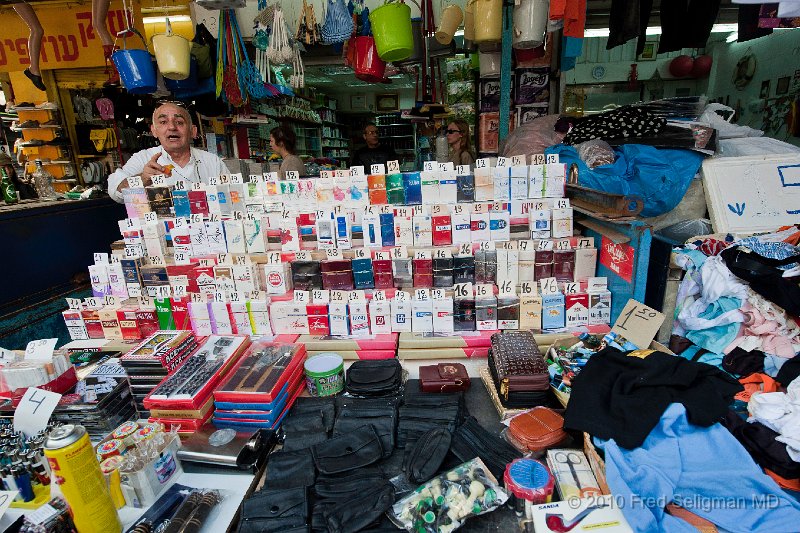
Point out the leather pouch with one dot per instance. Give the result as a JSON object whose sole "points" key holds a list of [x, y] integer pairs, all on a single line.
{"points": [[349, 485], [360, 447], [423, 460], [517, 399], [353, 516], [373, 378], [325, 406], [303, 430], [538, 428], [384, 427], [443, 377], [290, 469], [518, 363], [275, 510], [471, 440]]}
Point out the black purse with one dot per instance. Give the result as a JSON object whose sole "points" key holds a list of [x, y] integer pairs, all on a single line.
{"points": [[360, 447], [764, 277], [423, 460], [275, 510], [374, 378]]}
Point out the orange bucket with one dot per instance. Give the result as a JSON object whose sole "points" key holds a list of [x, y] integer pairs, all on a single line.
{"points": [[363, 57]]}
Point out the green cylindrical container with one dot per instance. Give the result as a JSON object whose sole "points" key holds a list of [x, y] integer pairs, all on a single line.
{"points": [[391, 27], [324, 374]]}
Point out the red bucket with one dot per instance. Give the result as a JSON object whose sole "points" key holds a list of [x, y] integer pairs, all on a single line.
{"points": [[363, 57]]}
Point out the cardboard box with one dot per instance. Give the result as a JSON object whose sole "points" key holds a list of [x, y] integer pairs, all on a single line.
{"points": [[359, 319], [323, 343], [553, 313], [401, 315], [530, 312], [338, 317], [462, 227], [318, 323], [75, 325], [424, 341], [422, 316], [290, 317], [479, 223], [577, 310], [355, 355], [562, 223], [380, 317], [260, 317], [442, 353], [443, 315]]}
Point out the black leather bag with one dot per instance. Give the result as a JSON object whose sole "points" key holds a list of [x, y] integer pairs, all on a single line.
{"points": [[360, 447], [290, 469], [374, 378], [383, 423], [471, 440], [764, 277], [274, 511], [348, 485], [353, 516], [423, 460]]}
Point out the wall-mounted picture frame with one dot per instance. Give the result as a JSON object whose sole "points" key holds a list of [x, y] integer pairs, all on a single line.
{"points": [[782, 87], [649, 52], [358, 102], [387, 102], [764, 89]]}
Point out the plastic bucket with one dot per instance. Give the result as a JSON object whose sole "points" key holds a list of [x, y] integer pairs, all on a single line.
{"points": [[530, 23], [469, 21], [365, 61], [449, 23], [324, 374], [488, 21], [136, 70], [173, 54], [391, 27], [188, 84]]}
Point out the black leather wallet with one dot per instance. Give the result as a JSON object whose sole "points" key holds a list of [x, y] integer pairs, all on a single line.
{"points": [[360, 447], [275, 510], [423, 460], [371, 378]]}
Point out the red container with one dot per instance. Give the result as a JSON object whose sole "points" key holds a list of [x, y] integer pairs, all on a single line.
{"points": [[363, 57]]}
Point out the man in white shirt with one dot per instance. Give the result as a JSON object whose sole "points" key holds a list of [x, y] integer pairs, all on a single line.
{"points": [[172, 126]]}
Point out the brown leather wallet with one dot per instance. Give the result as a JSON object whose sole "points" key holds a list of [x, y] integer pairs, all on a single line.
{"points": [[537, 429], [443, 377]]}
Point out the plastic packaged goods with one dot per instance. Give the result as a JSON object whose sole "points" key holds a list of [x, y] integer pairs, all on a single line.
{"points": [[447, 501]]}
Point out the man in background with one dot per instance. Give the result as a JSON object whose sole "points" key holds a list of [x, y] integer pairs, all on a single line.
{"points": [[374, 153]]}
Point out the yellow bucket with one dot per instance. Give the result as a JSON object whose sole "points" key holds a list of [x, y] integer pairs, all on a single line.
{"points": [[469, 21], [173, 54], [449, 23], [488, 21]]}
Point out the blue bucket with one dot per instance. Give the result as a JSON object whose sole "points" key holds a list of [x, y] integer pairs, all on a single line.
{"points": [[135, 69]]}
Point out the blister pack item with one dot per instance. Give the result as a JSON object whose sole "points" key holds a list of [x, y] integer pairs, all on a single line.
{"points": [[446, 501]]}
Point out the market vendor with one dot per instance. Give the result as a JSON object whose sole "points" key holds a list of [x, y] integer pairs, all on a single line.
{"points": [[174, 157], [374, 153]]}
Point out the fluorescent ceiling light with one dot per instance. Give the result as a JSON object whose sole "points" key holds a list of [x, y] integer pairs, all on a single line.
{"points": [[656, 30], [172, 18]]}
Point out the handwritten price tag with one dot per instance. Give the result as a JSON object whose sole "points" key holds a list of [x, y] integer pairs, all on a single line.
{"points": [[34, 410], [320, 296], [638, 323], [6, 497], [40, 350]]}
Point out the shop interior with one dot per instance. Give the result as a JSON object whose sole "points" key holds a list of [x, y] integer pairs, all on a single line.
{"points": [[383, 265]]}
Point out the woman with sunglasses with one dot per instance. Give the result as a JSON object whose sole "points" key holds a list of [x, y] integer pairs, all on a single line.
{"points": [[461, 152]]}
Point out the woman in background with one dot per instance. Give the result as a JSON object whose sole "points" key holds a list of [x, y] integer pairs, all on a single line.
{"points": [[283, 142], [461, 152]]}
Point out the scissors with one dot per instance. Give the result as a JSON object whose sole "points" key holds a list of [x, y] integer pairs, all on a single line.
{"points": [[571, 459]]}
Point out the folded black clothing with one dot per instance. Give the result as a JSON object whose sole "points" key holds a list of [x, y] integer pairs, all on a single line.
{"points": [[760, 443], [622, 396], [789, 371], [472, 440], [626, 121], [290, 469], [360, 447], [743, 363], [268, 511]]}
